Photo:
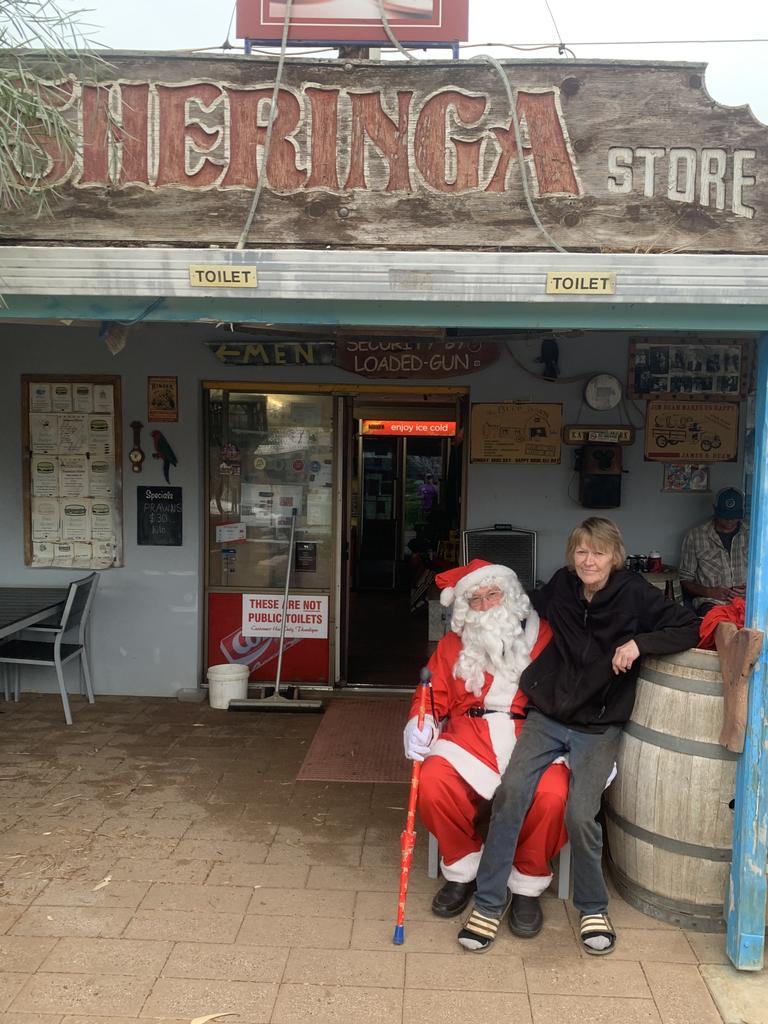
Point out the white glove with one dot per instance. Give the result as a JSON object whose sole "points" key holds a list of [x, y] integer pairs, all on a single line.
{"points": [[418, 742]]}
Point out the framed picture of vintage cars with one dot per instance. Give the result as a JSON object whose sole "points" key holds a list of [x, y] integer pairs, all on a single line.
{"points": [[691, 432], [671, 368]]}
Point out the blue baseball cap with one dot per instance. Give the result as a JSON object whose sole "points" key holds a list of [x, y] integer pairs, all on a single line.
{"points": [[729, 504]]}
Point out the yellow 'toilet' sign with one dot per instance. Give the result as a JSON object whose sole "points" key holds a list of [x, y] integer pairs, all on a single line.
{"points": [[214, 275], [587, 282]]}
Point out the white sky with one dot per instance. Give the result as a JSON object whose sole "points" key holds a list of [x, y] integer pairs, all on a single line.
{"points": [[737, 72]]}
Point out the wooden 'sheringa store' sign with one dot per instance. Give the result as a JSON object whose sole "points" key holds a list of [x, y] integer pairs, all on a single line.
{"points": [[366, 154]]}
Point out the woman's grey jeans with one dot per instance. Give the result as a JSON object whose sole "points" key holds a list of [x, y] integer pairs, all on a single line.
{"points": [[591, 757]]}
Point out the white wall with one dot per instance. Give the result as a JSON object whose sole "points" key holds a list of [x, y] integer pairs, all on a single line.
{"points": [[148, 619], [543, 498]]}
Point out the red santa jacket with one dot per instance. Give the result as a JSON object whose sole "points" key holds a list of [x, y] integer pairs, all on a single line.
{"points": [[479, 748]]}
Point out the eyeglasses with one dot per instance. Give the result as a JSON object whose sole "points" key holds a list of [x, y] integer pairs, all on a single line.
{"points": [[491, 597]]}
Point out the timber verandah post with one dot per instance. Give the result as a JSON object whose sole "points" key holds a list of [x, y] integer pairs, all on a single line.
{"points": [[745, 909]]}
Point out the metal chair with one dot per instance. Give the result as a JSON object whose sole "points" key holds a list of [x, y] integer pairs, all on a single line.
{"points": [[52, 651], [563, 866]]}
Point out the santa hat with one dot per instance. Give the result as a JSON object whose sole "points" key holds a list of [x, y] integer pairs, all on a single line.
{"points": [[457, 582]]}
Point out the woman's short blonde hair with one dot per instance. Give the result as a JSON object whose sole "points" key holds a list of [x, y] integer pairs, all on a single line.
{"points": [[597, 533]]}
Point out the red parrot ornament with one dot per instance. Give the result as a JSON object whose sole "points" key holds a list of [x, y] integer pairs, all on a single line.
{"points": [[164, 451]]}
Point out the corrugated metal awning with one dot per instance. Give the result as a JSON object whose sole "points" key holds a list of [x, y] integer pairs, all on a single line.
{"points": [[384, 276]]}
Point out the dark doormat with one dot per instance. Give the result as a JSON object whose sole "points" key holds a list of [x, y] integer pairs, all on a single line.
{"points": [[359, 741]]}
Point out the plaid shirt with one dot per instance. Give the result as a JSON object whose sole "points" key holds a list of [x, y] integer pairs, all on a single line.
{"points": [[704, 559]]}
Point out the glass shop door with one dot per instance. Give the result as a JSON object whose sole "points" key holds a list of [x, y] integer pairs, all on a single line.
{"points": [[380, 526], [268, 454], [403, 524]]}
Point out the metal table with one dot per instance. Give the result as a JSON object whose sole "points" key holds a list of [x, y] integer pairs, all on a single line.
{"points": [[669, 574], [24, 606]]}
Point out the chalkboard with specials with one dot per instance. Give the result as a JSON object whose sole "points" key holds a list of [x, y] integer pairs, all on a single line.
{"points": [[159, 515]]}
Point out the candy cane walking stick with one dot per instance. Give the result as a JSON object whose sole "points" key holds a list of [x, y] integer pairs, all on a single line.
{"points": [[408, 835]]}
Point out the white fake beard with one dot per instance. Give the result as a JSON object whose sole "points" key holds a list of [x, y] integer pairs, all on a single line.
{"points": [[492, 641]]}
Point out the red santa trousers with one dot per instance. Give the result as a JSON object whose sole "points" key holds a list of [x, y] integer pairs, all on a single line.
{"points": [[449, 807]]}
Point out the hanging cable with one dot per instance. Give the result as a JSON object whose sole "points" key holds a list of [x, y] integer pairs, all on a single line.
{"points": [[265, 53], [536, 376], [620, 42], [390, 34], [561, 46], [268, 134], [626, 404], [297, 52], [522, 47], [519, 144], [143, 315], [226, 45]]}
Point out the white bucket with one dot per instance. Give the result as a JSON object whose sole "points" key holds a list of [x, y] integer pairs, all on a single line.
{"points": [[226, 683]]}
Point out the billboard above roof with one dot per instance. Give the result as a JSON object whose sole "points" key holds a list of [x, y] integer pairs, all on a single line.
{"points": [[354, 21]]}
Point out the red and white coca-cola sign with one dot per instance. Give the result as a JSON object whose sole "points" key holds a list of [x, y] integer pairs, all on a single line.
{"points": [[411, 21], [305, 659]]}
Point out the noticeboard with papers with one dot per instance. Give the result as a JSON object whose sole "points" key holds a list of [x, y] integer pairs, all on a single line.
{"points": [[72, 487]]}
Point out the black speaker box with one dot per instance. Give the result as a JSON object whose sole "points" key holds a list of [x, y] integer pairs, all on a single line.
{"points": [[600, 490]]}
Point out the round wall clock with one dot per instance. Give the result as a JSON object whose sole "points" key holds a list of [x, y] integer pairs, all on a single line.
{"points": [[603, 391]]}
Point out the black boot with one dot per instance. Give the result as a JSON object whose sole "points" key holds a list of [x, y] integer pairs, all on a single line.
{"points": [[452, 898], [525, 916]]}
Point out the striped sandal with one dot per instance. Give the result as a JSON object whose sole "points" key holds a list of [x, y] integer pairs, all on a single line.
{"points": [[478, 933], [597, 926]]}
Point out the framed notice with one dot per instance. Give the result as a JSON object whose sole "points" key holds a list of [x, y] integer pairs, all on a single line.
{"points": [[516, 432], [71, 471], [306, 617], [305, 557], [686, 477], [162, 399], [694, 369], [693, 432]]}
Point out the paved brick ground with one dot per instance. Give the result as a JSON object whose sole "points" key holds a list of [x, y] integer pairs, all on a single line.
{"points": [[159, 862]]}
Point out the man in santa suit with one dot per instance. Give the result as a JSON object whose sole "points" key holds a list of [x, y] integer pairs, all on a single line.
{"points": [[475, 715]]}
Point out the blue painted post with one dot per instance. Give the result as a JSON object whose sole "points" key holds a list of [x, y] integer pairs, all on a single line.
{"points": [[745, 908]]}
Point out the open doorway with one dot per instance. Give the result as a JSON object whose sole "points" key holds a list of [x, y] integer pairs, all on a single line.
{"points": [[403, 524]]}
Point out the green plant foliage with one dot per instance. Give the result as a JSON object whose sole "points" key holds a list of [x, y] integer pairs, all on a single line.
{"points": [[36, 128]]}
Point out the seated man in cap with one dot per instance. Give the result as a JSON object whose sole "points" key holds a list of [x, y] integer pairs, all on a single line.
{"points": [[713, 564], [494, 635]]}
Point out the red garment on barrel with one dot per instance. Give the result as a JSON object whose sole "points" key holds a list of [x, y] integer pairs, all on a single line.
{"points": [[733, 612]]}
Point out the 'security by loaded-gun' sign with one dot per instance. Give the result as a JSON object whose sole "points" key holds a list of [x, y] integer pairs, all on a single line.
{"points": [[400, 359], [616, 155], [414, 358]]}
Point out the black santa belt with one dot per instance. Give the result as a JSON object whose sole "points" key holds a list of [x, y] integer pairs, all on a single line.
{"points": [[482, 712]]}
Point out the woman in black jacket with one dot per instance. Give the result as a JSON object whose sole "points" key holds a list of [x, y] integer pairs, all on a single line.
{"points": [[581, 690]]}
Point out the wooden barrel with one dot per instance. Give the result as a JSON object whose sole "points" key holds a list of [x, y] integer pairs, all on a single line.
{"points": [[668, 818]]}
